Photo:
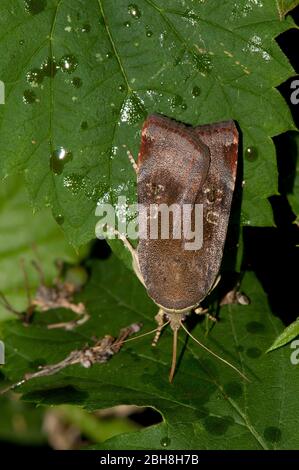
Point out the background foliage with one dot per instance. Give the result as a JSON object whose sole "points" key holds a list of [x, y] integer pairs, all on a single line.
{"points": [[80, 78]]}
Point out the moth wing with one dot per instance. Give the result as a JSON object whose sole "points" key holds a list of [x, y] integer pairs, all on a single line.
{"points": [[216, 197], [173, 164]]}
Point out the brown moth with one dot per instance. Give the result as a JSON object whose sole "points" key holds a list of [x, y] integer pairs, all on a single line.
{"points": [[186, 166]]}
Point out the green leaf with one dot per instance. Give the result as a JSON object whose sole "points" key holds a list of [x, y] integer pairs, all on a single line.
{"points": [[20, 230], [79, 83], [207, 407], [285, 6], [291, 332]]}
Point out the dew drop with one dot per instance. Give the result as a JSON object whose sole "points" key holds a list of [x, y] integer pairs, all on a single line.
{"points": [[35, 77], [121, 87], [33, 7], [218, 426], [59, 219], [74, 182], [149, 33], [132, 110], [68, 63], [59, 158], [108, 55], [196, 91], [134, 11], [86, 28], [176, 101], [127, 24], [165, 442], [84, 125], [251, 154], [77, 82], [49, 67], [202, 62], [184, 106], [29, 97], [21, 42]]}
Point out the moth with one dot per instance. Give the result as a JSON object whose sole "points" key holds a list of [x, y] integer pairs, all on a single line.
{"points": [[189, 167]]}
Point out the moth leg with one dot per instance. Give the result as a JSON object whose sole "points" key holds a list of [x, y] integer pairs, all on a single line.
{"points": [[132, 160], [160, 319], [217, 280], [126, 242], [205, 311]]}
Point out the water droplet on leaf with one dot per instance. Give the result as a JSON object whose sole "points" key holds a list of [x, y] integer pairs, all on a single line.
{"points": [[59, 158], [29, 97], [77, 82], [35, 77], [134, 11], [49, 67], [35, 6], [196, 91], [121, 87], [74, 182], [165, 442], [202, 62], [86, 28], [68, 63], [59, 219], [251, 154], [132, 110], [176, 101]]}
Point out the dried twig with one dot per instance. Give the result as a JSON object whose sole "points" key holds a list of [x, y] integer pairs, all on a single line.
{"points": [[60, 294], [101, 352]]}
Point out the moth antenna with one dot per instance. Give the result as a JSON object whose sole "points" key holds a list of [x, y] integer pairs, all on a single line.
{"points": [[174, 354], [140, 336], [7, 305], [214, 354]]}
